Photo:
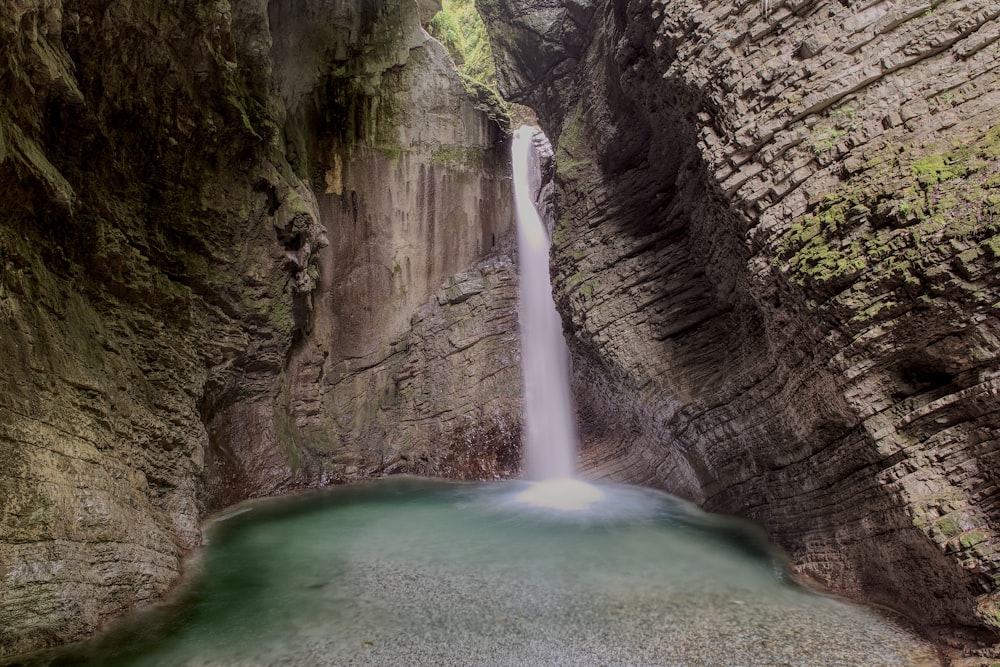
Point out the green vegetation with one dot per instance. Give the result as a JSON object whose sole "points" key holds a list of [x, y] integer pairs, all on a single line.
{"points": [[906, 211], [390, 151], [839, 122], [288, 437], [461, 30], [948, 526], [826, 138], [571, 153], [971, 539], [459, 156]]}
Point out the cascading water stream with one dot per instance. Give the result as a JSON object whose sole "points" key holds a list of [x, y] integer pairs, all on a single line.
{"points": [[550, 442], [550, 447]]}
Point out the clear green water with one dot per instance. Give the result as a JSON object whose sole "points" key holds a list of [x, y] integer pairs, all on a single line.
{"points": [[412, 572]]}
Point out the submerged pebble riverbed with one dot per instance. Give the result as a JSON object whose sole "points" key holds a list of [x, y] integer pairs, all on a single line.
{"points": [[412, 572]]}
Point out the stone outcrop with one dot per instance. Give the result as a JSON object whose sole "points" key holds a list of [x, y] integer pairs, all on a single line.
{"points": [[139, 266], [407, 362], [192, 192], [777, 258]]}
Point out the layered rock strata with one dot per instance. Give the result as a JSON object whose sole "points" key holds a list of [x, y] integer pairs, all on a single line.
{"points": [[777, 257], [168, 170]]}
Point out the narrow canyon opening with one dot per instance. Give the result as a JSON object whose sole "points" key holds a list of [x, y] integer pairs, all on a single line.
{"points": [[254, 249]]}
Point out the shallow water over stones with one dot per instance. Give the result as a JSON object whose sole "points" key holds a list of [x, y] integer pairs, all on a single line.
{"points": [[416, 572]]}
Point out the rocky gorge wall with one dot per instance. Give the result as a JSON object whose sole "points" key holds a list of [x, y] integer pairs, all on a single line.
{"points": [[194, 194], [777, 261], [406, 361]]}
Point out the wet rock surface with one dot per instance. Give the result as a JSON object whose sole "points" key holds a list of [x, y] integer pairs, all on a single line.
{"points": [[775, 258]]}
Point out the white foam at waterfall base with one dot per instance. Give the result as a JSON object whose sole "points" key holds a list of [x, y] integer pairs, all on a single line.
{"points": [[561, 493], [550, 433], [575, 501]]}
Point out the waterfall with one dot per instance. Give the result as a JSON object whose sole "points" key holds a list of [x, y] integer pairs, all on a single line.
{"points": [[550, 442]]}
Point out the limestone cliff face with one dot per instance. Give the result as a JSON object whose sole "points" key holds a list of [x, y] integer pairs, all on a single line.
{"points": [[411, 361], [192, 191], [777, 257], [408, 360]]}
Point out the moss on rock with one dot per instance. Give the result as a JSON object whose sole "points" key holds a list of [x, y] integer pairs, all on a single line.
{"points": [[903, 214]]}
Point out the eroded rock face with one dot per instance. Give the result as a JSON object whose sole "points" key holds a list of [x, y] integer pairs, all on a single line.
{"points": [[408, 362], [134, 267], [777, 257], [174, 225]]}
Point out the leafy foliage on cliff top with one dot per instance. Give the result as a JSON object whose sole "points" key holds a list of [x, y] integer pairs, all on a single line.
{"points": [[461, 30]]}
